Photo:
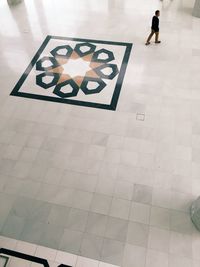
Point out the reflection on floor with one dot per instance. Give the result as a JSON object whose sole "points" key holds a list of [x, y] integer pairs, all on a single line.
{"points": [[110, 184]]}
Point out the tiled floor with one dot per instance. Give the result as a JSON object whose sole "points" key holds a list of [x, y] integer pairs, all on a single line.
{"points": [[24, 254], [111, 186]]}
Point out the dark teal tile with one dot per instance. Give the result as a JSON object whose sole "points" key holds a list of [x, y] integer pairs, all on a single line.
{"points": [[58, 215], [96, 224], [51, 236], [71, 241], [112, 252], [31, 209], [91, 246], [13, 227], [77, 220], [32, 231]]}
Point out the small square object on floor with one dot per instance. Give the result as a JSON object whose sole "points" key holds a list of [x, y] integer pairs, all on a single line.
{"points": [[140, 116], [76, 71]]}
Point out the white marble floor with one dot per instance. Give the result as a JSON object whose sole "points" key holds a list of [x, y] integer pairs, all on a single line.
{"points": [[111, 186]]}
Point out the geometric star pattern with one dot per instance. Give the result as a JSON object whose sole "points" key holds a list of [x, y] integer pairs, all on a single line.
{"points": [[76, 71], [65, 86]]}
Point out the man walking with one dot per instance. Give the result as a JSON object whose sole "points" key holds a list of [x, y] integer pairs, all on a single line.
{"points": [[154, 28]]}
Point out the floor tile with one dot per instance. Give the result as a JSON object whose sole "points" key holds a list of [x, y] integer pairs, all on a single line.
{"points": [[116, 229], [91, 246], [181, 201], [70, 179], [86, 262], [142, 194], [96, 224], [28, 154], [159, 239], [28, 188], [96, 152], [47, 253], [112, 251], [161, 198], [134, 256], [137, 234], [8, 243], [51, 236], [13, 185], [13, 226], [93, 166], [123, 190], [120, 208], [180, 222], [53, 176], [3, 180], [112, 155], [140, 212], [32, 231], [86, 182], [58, 215], [129, 158], [71, 241], [181, 184], [108, 170], [160, 217], [105, 186], [7, 166], [18, 262], [195, 245], [7, 201], [66, 258], [176, 261], [38, 171], [31, 209], [99, 139], [77, 220], [101, 204], [21, 169], [60, 195], [180, 245], [195, 263], [35, 141], [19, 139], [82, 200], [12, 152], [104, 264], [25, 247], [155, 258], [79, 149], [115, 141]]}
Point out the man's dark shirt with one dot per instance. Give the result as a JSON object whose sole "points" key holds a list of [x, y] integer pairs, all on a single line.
{"points": [[155, 24]]}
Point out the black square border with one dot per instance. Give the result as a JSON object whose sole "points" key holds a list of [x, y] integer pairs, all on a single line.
{"points": [[117, 90]]}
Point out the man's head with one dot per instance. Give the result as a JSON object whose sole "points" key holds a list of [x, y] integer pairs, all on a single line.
{"points": [[157, 13]]}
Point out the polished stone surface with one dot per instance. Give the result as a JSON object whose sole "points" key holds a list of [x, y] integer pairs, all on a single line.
{"points": [[112, 186]]}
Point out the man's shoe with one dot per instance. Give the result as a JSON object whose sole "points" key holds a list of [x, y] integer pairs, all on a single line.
{"points": [[147, 43], [158, 42]]}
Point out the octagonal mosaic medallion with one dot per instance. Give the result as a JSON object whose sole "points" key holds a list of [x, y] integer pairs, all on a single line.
{"points": [[76, 71]]}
